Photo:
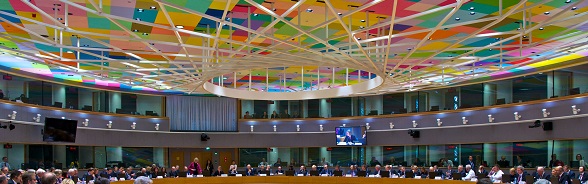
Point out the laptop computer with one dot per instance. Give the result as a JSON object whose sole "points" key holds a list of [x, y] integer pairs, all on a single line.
{"points": [[182, 174], [506, 178], [89, 178], [480, 176], [457, 176], [121, 175], [529, 179], [409, 175], [337, 173], [205, 173], [361, 173], [162, 173], [554, 180], [314, 173], [104, 175], [289, 173], [432, 175], [384, 174]]}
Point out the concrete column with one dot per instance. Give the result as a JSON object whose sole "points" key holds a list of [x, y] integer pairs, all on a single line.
{"points": [[115, 101], [580, 80], [504, 90], [489, 94], [489, 153], [58, 95], [325, 154], [558, 84], [158, 156], [304, 112], [325, 108], [59, 154]]}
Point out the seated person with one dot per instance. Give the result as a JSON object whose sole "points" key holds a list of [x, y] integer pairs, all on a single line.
{"points": [[250, 171], [495, 174], [302, 171], [279, 170], [482, 170], [364, 168], [326, 170], [540, 174], [218, 171], [337, 168], [232, 169], [352, 171]]}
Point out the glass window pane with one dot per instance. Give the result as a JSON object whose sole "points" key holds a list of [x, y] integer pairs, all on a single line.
{"points": [[530, 154]]}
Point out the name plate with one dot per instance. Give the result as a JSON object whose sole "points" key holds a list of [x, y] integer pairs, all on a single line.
{"points": [[280, 173], [300, 175], [121, 179], [159, 177], [417, 177], [324, 175], [262, 174], [372, 176], [200, 176], [189, 176], [394, 176], [224, 175], [238, 175], [347, 175], [437, 177], [476, 179]]}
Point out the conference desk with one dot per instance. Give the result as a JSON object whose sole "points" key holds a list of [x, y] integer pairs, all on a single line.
{"points": [[295, 179]]}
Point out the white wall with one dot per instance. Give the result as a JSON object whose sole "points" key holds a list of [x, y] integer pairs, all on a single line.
{"points": [[16, 155], [58, 94], [148, 103], [115, 101]]}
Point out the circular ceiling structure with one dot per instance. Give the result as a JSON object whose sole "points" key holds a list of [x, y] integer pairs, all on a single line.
{"points": [[303, 49]]}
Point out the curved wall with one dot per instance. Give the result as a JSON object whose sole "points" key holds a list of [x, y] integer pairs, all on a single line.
{"points": [[478, 130]]}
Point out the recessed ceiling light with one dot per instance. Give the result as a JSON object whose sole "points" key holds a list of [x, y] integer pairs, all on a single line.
{"points": [[574, 8], [568, 1], [472, 13], [274, 9], [339, 14], [69, 51], [140, 10], [472, 8], [490, 49], [546, 13], [309, 10], [228, 18], [179, 26], [139, 19], [134, 30], [59, 18], [457, 18], [153, 7], [362, 20], [255, 14], [361, 27], [358, 38], [145, 33], [540, 28]]}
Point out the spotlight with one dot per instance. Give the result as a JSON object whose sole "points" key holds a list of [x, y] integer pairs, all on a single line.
{"points": [[439, 123], [251, 128], [517, 116], [321, 127], [275, 128], [391, 125], [204, 137], [575, 110], [85, 123], [109, 125], [464, 120], [414, 133], [344, 124], [298, 128], [545, 113], [13, 115], [134, 125], [367, 126], [62, 117], [414, 124], [490, 118], [536, 124], [38, 118], [157, 126]]}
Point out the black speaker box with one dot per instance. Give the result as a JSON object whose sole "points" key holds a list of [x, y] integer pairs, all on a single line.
{"points": [[547, 126]]}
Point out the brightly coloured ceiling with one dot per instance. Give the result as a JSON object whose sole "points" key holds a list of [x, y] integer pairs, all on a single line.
{"points": [[273, 46]]}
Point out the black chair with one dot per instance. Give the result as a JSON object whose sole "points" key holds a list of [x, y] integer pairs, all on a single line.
{"points": [[58, 104], [434, 108], [500, 101], [87, 108]]}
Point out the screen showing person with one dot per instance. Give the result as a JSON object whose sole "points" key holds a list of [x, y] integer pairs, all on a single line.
{"points": [[351, 136]]}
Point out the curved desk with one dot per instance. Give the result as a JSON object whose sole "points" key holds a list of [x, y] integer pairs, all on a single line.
{"points": [[294, 179]]}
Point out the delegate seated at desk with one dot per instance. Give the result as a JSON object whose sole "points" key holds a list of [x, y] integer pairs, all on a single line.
{"points": [[349, 139]]}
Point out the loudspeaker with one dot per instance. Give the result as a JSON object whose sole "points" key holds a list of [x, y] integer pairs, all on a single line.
{"points": [[547, 126], [204, 137], [414, 133]]}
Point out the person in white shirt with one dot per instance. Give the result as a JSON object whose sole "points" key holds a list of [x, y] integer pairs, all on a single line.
{"points": [[495, 174], [263, 163], [469, 173], [580, 160]]}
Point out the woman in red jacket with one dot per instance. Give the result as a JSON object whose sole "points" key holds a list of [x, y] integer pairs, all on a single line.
{"points": [[194, 167]]}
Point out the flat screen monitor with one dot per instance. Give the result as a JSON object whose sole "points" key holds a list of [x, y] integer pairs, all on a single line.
{"points": [[60, 130], [351, 136], [337, 173], [432, 175], [314, 173], [361, 173], [384, 174]]}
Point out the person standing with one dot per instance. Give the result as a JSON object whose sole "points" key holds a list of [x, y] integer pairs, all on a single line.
{"points": [[5, 163], [194, 167]]}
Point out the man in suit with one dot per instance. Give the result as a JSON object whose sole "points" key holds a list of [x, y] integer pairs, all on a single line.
{"points": [[349, 139], [275, 115], [482, 170], [569, 172], [563, 178], [5, 163], [302, 171], [364, 168], [461, 171], [582, 176], [471, 161], [400, 172], [438, 171], [449, 172], [173, 173], [15, 177], [249, 171], [520, 175], [279, 171], [377, 169], [218, 172], [285, 114], [3, 179], [352, 171], [540, 174], [326, 170]]}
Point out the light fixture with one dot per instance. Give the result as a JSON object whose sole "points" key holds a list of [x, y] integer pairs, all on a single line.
{"points": [[545, 113], [255, 14], [439, 123], [321, 128], [109, 125], [309, 10], [298, 128], [62, 117], [367, 126], [134, 125], [391, 125], [153, 7], [140, 10], [490, 118], [157, 126], [179, 26], [464, 120], [517, 116], [38, 118], [85, 123], [344, 124], [546, 13], [457, 18], [339, 14], [414, 124], [275, 128], [251, 128], [575, 110], [362, 20], [13, 115], [574, 8], [568, 1]]}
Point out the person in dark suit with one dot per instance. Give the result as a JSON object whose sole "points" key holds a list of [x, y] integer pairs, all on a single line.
{"points": [[302, 171], [540, 174], [352, 171], [482, 170], [471, 162], [349, 139], [554, 162], [279, 170], [520, 174], [569, 172], [377, 170], [364, 168], [401, 171], [582, 176], [264, 115], [275, 115], [461, 171], [285, 114], [209, 166], [562, 177], [218, 172], [174, 172], [438, 171], [326, 170], [250, 171], [15, 177], [449, 172]]}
